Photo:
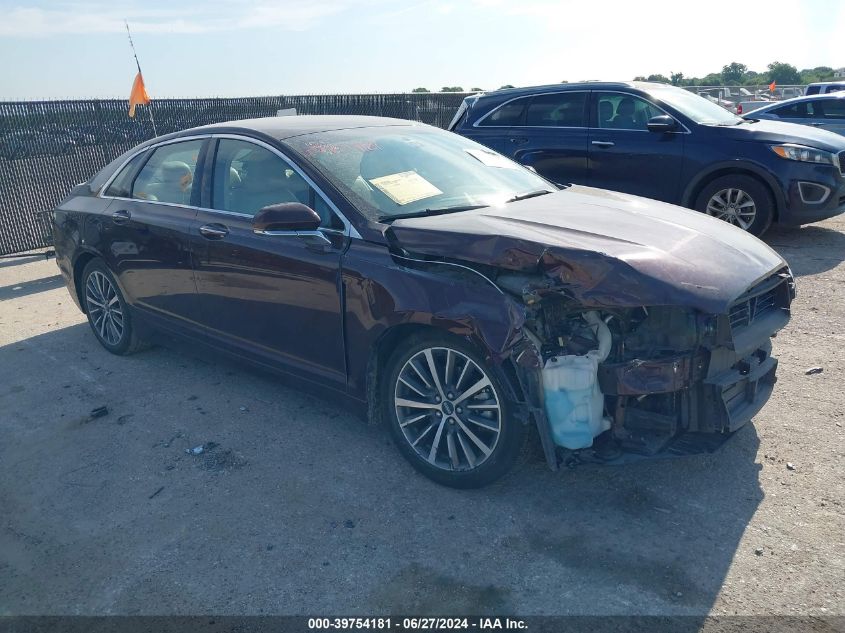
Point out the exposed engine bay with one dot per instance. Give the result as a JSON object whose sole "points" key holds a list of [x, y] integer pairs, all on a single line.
{"points": [[671, 379]]}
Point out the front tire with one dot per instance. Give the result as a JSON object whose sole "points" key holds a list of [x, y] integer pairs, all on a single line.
{"points": [[106, 310], [740, 200], [447, 412]]}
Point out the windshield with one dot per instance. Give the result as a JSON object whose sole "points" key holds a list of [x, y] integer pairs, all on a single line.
{"points": [[697, 108], [391, 172]]}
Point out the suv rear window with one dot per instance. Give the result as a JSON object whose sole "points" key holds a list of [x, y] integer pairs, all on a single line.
{"points": [[561, 109], [506, 115]]}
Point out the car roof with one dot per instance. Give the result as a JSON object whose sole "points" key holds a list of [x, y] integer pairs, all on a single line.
{"points": [[282, 127], [581, 85]]}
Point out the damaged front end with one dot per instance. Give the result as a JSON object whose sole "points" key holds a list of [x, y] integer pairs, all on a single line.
{"points": [[647, 328], [671, 380]]}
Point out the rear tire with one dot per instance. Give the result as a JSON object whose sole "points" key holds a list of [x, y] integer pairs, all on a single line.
{"points": [[739, 199], [107, 311], [455, 428]]}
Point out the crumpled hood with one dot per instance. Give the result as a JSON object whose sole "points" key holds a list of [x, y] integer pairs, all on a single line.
{"points": [[604, 248]]}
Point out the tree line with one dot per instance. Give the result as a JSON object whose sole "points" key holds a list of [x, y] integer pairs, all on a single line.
{"points": [[733, 74], [736, 74]]}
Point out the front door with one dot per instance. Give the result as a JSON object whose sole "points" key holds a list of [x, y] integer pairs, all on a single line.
{"points": [[625, 156], [275, 298]]}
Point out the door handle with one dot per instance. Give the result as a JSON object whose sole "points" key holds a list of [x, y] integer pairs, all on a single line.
{"points": [[604, 143], [121, 217], [519, 140], [214, 231]]}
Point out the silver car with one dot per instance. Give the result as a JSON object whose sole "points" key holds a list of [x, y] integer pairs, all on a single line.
{"points": [[823, 111]]}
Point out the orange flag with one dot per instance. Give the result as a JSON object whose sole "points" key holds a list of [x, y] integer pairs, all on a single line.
{"points": [[772, 86], [138, 95]]}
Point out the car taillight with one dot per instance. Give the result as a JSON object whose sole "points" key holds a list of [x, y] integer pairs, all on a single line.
{"points": [[739, 108]]}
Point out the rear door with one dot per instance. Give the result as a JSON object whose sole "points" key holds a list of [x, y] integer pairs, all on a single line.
{"points": [[145, 229], [552, 136], [492, 129], [274, 298], [828, 114], [625, 156]]}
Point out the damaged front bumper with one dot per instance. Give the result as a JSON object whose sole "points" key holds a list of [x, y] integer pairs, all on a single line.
{"points": [[677, 404]]}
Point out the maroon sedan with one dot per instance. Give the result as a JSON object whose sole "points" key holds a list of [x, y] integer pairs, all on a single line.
{"points": [[440, 287]]}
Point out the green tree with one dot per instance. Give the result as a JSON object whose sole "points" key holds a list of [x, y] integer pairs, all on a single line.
{"points": [[676, 79], [783, 73], [477, 90], [733, 73], [451, 89], [640, 78], [505, 87], [663, 79], [420, 90], [819, 73], [753, 78]]}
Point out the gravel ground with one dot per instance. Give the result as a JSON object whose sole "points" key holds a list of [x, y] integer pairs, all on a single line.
{"points": [[301, 508]]}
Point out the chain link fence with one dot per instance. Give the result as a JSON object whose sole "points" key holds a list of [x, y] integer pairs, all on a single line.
{"points": [[47, 147]]}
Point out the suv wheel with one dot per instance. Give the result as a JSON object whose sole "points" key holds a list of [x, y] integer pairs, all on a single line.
{"points": [[106, 310], [447, 412], [740, 200]]}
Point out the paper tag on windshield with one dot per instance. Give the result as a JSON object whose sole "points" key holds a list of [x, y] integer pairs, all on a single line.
{"points": [[491, 159], [405, 187]]}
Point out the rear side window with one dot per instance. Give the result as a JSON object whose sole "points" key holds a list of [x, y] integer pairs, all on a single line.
{"points": [[833, 109], [121, 186], [802, 110], [169, 174], [507, 114], [834, 88], [812, 90], [563, 109]]}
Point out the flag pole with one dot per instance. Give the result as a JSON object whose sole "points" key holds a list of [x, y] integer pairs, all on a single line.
{"points": [[138, 64]]}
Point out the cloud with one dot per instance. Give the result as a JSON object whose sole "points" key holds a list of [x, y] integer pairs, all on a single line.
{"points": [[209, 16]]}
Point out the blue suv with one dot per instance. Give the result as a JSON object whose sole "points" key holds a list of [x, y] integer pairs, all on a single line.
{"points": [[666, 143]]}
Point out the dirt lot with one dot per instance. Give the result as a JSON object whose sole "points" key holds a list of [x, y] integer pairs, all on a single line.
{"points": [[302, 508]]}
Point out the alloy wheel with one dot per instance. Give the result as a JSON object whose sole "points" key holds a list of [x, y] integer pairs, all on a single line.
{"points": [[104, 307], [734, 206], [448, 409]]}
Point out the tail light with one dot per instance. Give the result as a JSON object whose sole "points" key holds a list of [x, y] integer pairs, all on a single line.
{"points": [[739, 108]]}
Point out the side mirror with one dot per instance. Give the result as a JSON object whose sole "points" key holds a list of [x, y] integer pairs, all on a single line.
{"points": [[662, 123], [286, 216]]}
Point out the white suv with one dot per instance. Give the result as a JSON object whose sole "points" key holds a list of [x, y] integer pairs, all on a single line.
{"points": [[825, 87]]}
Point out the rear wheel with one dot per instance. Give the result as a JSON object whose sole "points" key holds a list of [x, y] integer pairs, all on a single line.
{"points": [[740, 200], [106, 310], [447, 412]]}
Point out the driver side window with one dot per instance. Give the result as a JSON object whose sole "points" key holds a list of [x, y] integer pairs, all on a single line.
{"points": [[618, 111], [248, 177]]}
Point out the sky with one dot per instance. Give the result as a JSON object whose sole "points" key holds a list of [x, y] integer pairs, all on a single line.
{"points": [[203, 48]]}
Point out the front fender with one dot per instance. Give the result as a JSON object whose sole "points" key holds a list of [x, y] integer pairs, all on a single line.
{"points": [[382, 292], [730, 166]]}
